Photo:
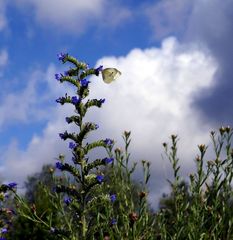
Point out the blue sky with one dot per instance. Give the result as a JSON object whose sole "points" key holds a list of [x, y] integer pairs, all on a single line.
{"points": [[175, 58]]}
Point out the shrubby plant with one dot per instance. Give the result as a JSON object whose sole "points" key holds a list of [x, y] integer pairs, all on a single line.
{"points": [[201, 209], [88, 195], [83, 198]]}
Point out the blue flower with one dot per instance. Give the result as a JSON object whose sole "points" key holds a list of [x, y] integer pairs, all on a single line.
{"points": [[75, 100], [98, 70], [72, 145], [113, 197], [62, 56], [108, 141], [113, 221], [108, 160], [58, 76], [59, 165], [67, 200], [4, 230], [64, 135], [68, 120], [66, 73], [12, 185], [61, 100], [100, 178], [96, 126], [102, 100], [2, 238], [84, 82]]}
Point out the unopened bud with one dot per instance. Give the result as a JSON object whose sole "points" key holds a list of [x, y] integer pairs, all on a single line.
{"points": [[228, 129], [142, 195], [133, 217], [202, 148], [222, 130]]}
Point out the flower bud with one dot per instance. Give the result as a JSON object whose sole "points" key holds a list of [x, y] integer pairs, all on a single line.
{"points": [[142, 195], [133, 217]]}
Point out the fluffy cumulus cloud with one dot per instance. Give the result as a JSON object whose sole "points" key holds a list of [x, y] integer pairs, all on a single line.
{"points": [[77, 15], [152, 98], [211, 24], [208, 23]]}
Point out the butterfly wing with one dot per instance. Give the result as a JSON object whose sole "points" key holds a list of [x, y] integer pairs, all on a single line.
{"points": [[110, 74]]}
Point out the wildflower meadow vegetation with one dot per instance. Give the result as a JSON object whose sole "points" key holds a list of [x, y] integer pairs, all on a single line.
{"points": [[84, 198]]}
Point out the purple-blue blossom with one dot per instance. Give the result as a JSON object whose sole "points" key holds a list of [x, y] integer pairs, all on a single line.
{"points": [[59, 165], [61, 100], [108, 160], [102, 100], [72, 145], [58, 76], [75, 100], [66, 73], [98, 70], [68, 120], [67, 200], [64, 135], [62, 56], [12, 185], [113, 221], [108, 141], [4, 230], [84, 82], [113, 197], [100, 178]]}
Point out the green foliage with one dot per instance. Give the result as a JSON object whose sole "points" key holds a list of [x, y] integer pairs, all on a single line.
{"points": [[203, 208]]}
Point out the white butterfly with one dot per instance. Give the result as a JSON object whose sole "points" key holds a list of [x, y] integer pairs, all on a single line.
{"points": [[110, 74]]}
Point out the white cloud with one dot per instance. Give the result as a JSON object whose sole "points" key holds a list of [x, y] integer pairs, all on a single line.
{"points": [[152, 98], [77, 15]]}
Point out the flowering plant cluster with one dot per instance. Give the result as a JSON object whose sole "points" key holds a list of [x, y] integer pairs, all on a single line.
{"points": [[88, 198], [96, 198]]}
